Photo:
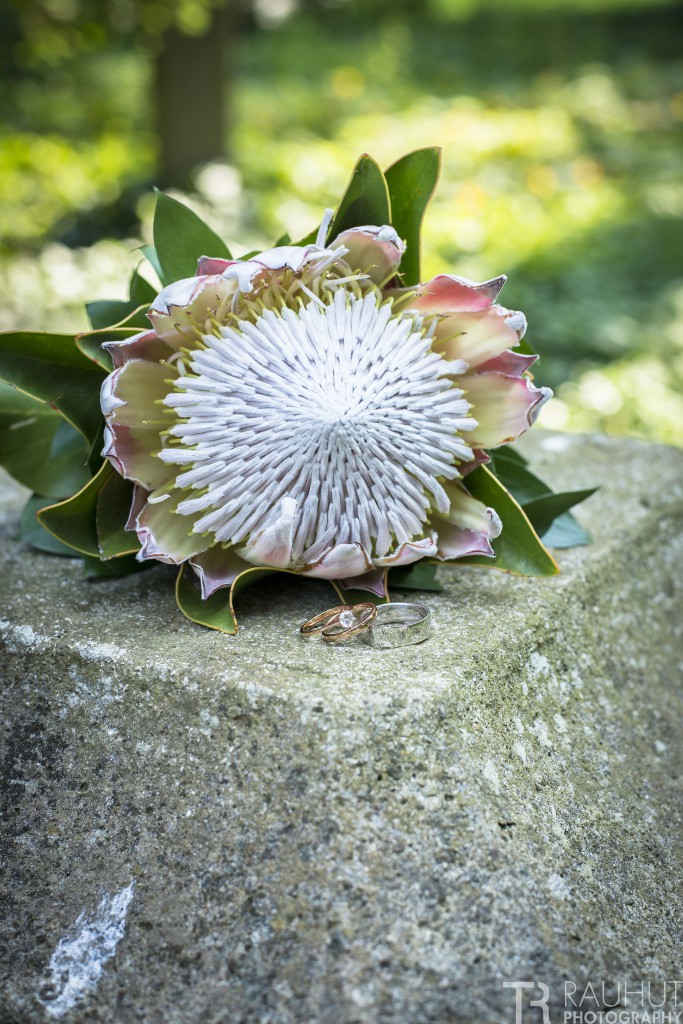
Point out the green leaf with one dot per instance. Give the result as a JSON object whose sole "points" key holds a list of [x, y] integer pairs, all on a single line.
{"points": [[31, 532], [90, 342], [39, 448], [74, 521], [566, 532], [411, 182], [215, 612], [52, 369], [523, 485], [366, 199], [141, 292], [418, 576], [544, 510], [180, 238], [150, 254], [510, 454], [285, 239], [518, 549], [93, 568], [113, 508]]}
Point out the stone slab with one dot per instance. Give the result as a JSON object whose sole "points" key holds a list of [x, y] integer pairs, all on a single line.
{"points": [[200, 828]]}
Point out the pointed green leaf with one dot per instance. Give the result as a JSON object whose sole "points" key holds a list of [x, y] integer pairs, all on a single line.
{"points": [[74, 521], [412, 181], [523, 485], [31, 532], [93, 568], [566, 532], [152, 257], [366, 199], [544, 510], [215, 612], [113, 508], [39, 448], [141, 292], [52, 369], [180, 238], [518, 549], [285, 239], [418, 576]]}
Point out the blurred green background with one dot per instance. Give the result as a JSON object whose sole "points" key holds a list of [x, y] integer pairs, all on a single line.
{"points": [[560, 122]]}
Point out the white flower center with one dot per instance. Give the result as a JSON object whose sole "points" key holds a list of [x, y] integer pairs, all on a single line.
{"points": [[342, 409]]}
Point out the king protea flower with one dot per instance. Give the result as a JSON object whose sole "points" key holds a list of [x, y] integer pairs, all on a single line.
{"points": [[301, 410]]}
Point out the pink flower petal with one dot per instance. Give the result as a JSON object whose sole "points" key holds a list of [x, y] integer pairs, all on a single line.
{"points": [[208, 265], [340, 563], [375, 582], [376, 251], [479, 337], [218, 567], [181, 308], [457, 542], [450, 294], [409, 552], [512, 364], [504, 407], [480, 459], [273, 546], [470, 513], [165, 534], [145, 345], [134, 419]]}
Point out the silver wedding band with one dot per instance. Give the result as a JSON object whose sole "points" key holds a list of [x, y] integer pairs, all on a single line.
{"points": [[398, 625]]}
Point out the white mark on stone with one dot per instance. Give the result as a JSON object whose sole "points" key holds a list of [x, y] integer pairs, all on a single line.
{"points": [[520, 751], [539, 664], [660, 747], [491, 775], [560, 722], [558, 887], [99, 652], [519, 725], [541, 730], [77, 963]]}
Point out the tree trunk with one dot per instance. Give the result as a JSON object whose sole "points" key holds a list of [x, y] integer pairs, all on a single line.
{"points": [[192, 78]]}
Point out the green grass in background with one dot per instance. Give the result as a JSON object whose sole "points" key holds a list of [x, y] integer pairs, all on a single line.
{"points": [[561, 136]]}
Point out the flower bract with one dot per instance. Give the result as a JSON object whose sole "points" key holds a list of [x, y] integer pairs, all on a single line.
{"points": [[301, 409]]}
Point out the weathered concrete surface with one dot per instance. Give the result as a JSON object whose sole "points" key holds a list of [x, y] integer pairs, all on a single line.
{"points": [[349, 836]]}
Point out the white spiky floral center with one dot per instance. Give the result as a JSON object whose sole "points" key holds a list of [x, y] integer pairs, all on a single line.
{"points": [[338, 414]]}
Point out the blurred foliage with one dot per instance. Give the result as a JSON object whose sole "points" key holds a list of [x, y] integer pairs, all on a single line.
{"points": [[561, 126]]}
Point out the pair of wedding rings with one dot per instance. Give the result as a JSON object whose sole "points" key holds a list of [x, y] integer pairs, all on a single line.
{"points": [[385, 625]]}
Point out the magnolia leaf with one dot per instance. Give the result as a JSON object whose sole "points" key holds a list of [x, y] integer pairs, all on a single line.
{"points": [[93, 568], [543, 511], [180, 238], [74, 521], [518, 549], [418, 576], [365, 201], [31, 532], [566, 532], [52, 369], [285, 239], [114, 500], [411, 182], [39, 448]]}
